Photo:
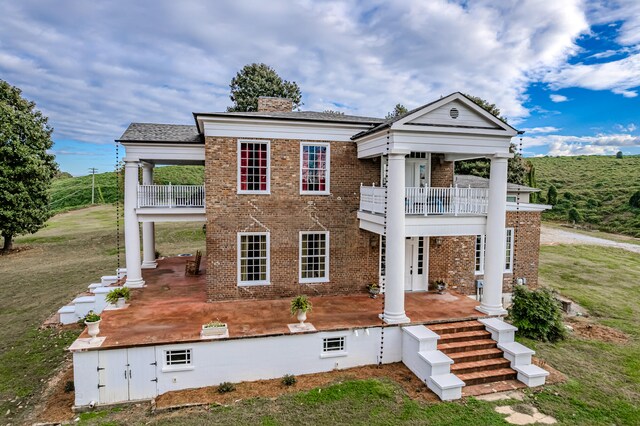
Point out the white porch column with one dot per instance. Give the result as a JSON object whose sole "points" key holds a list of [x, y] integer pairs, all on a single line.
{"points": [[148, 228], [394, 288], [131, 227], [494, 257]]}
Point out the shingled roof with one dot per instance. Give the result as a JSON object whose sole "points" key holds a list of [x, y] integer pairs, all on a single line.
{"points": [[163, 133], [298, 115], [470, 181]]}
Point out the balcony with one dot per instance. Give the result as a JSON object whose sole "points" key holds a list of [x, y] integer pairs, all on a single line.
{"points": [[430, 201], [171, 196]]}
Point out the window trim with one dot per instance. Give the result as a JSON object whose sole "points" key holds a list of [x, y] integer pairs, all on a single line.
{"points": [[267, 281], [335, 353], [484, 247], [327, 176], [324, 279], [177, 367], [238, 159]]}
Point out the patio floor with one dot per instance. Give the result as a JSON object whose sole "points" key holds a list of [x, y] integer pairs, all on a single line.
{"points": [[172, 307]]}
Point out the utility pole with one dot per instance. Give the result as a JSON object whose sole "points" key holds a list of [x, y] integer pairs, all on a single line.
{"points": [[93, 171]]}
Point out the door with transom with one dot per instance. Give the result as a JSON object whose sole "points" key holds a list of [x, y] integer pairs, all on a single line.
{"points": [[416, 260]]}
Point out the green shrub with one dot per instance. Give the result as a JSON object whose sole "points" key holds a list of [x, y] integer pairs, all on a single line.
{"points": [[117, 293], [300, 303], [574, 215], [552, 195], [537, 314], [634, 201], [226, 387], [289, 380], [619, 154]]}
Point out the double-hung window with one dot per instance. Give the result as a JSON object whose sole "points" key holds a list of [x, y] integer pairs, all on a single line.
{"points": [[314, 168], [253, 258], [314, 257], [481, 246], [254, 167]]}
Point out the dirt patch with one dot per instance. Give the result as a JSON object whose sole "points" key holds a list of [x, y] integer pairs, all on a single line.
{"points": [[593, 331], [16, 250], [274, 388], [554, 376], [58, 399]]}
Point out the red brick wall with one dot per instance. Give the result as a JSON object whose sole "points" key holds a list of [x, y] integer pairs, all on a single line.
{"points": [[284, 213], [441, 171]]}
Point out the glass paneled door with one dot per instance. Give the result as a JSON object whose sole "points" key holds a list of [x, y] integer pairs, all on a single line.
{"points": [[416, 258]]}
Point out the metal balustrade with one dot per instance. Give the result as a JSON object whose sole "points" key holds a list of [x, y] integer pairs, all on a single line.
{"points": [[170, 196], [430, 201]]}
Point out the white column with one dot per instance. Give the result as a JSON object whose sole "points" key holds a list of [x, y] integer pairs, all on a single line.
{"points": [[494, 257], [394, 287], [131, 227], [148, 228]]}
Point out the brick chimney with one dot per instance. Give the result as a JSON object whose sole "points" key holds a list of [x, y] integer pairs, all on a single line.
{"points": [[272, 104]]}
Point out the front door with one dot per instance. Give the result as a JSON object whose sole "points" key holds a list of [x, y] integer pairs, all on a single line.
{"points": [[417, 172], [416, 263]]}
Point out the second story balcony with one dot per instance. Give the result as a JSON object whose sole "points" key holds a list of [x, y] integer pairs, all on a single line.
{"points": [[429, 201], [171, 196]]}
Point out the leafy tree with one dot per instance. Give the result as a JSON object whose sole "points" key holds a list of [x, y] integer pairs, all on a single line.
{"points": [[634, 201], [398, 110], [26, 169], [330, 111], [574, 215], [256, 80], [537, 314], [552, 195], [619, 154], [517, 165]]}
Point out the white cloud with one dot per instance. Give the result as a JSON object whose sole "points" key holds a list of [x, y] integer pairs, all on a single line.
{"points": [[93, 69], [558, 98], [540, 130], [602, 144]]}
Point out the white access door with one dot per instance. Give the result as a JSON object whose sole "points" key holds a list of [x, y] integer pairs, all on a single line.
{"points": [[416, 258], [143, 382], [113, 376]]}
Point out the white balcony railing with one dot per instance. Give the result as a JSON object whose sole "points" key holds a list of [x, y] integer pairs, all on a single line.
{"points": [[430, 201], [171, 196]]}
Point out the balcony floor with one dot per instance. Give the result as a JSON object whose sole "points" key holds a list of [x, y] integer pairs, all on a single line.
{"points": [[172, 307]]}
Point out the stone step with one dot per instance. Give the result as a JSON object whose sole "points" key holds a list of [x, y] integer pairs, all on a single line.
{"points": [[481, 365], [456, 327], [490, 376], [68, 314], [464, 336], [477, 355], [467, 346]]}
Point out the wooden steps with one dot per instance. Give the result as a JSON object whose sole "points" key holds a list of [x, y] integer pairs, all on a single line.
{"points": [[476, 356]]}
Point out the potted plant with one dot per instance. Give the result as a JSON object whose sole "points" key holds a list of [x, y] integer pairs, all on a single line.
{"points": [[374, 290], [214, 328], [118, 296], [300, 305], [440, 286], [92, 321]]}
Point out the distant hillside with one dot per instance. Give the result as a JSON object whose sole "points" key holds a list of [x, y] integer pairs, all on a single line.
{"points": [[598, 187], [73, 192]]}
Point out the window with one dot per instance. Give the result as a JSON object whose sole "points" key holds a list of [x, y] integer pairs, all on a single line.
{"points": [[177, 357], [511, 198], [333, 344], [314, 168], [314, 257], [481, 246], [253, 167], [383, 256], [253, 258], [420, 255]]}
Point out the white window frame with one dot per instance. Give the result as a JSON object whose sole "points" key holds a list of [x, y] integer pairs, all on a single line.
{"points": [[267, 281], [326, 258], [167, 367], [239, 177], [509, 233], [334, 353], [327, 177]]}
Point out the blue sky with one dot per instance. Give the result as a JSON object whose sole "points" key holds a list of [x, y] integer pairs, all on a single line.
{"points": [[567, 72]]}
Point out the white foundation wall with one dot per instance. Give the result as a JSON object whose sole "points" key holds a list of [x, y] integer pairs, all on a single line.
{"points": [[247, 359]]}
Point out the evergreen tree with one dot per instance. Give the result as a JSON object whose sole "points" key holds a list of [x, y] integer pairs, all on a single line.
{"points": [[552, 195], [26, 169], [256, 80], [398, 110]]}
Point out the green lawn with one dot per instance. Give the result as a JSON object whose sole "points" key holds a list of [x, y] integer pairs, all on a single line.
{"points": [[79, 246]]}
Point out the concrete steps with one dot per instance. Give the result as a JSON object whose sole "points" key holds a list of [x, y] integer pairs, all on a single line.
{"points": [[490, 374], [480, 365], [467, 345], [94, 299], [476, 355]]}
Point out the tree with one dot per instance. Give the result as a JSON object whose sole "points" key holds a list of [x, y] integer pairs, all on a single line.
{"points": [[552, 195], [26, 169], [619, 154], [256, 80], [634, 201], [398, 110], [517, 165], [574, 215], [332, 112]]}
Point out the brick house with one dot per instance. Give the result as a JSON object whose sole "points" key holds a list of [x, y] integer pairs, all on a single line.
{"points": [[323, 205]]}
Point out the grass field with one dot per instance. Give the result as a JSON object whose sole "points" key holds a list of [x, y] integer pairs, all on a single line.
{"points": [[599, 187], [72, 192], [77, 247]]}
